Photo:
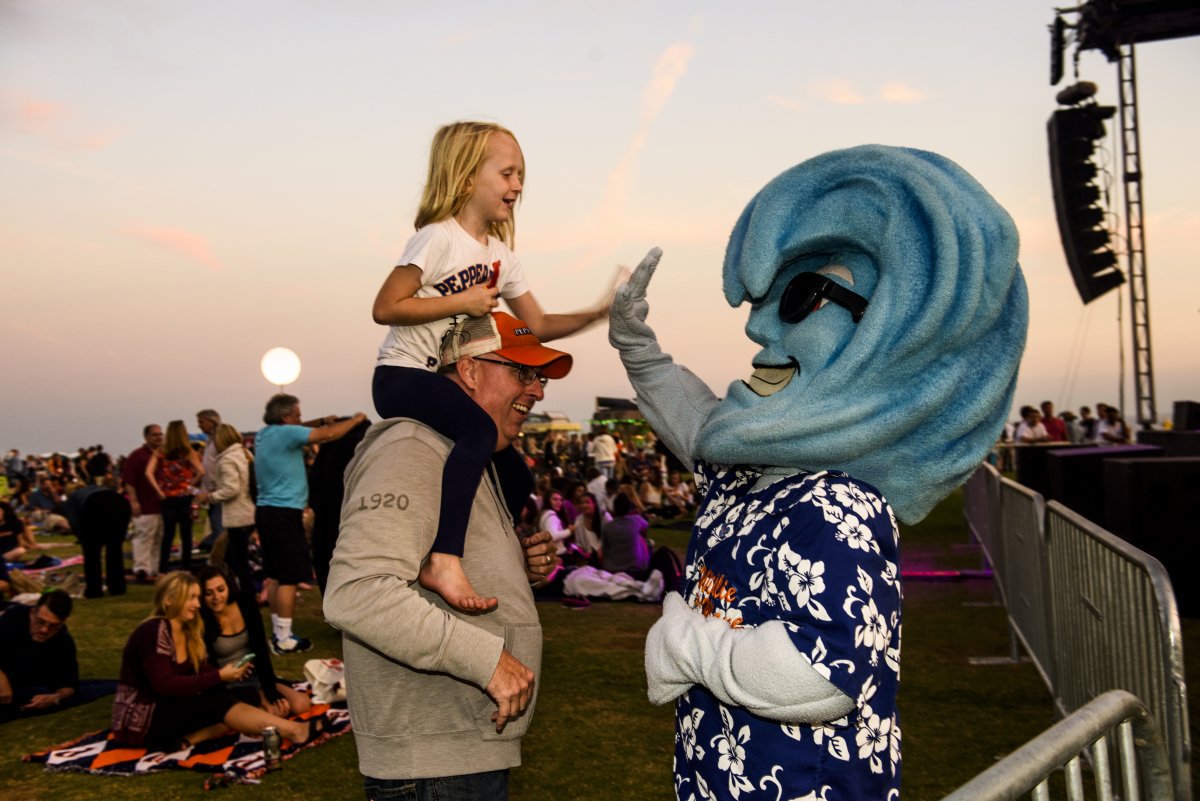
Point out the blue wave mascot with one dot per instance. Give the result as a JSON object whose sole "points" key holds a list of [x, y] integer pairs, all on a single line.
{"points": [[885, 293]]}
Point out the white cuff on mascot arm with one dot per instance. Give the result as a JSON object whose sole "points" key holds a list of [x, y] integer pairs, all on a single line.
{"points": [[757, 669]]}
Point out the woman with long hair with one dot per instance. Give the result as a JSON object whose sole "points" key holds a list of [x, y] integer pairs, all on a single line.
{"points": [[588, 524], [551, 519], [651, 492], [173, 475], [170, 696], [233, 628], [233, 493]]}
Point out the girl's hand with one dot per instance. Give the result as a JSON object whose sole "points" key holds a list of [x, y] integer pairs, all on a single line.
{"points": [[479, 300], [231, 673], [622, 277]]}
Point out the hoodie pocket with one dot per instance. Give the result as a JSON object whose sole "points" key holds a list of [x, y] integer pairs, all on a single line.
{"points": [[525, 644]]}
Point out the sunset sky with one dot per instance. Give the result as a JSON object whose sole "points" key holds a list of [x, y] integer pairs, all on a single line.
{"points": [[187, 185]]}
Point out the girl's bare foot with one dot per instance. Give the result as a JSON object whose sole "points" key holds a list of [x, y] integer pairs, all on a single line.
{"points": [[443, 574]]}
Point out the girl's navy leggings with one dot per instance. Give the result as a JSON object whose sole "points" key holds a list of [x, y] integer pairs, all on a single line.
{"points": [[442, 405]]}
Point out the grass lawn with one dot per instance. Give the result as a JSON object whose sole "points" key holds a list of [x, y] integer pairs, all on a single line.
{"points": [[595, 736]]}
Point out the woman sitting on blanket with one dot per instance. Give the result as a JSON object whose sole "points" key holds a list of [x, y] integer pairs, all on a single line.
{"points": [[591, 519], [170, 697], [233, 628]]}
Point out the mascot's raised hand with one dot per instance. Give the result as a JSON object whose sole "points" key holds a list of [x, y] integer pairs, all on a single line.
{"points": [[627, 316], [891, 315]]}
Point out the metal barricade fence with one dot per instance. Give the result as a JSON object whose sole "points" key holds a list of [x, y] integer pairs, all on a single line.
{"points": [[1029, 767], [1023, 574], [981, 507], [1116, 626]]}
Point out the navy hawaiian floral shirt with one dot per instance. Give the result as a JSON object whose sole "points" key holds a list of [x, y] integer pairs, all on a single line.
{"points": [[819, 551]]}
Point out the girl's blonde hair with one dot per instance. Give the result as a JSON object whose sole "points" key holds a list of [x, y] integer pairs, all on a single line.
{"points": [[458, 151], [170, 596], [176, 444]]}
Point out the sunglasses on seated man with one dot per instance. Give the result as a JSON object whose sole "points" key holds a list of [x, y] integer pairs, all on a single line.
{"points": [[525, 373], [806, 291]]}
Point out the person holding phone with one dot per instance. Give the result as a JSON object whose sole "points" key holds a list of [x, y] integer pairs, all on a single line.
{"points": [[234, 634], [170, 696]]}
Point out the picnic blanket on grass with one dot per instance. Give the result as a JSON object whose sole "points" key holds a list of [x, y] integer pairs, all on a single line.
{"points": [[54, 564], [235, 755]]}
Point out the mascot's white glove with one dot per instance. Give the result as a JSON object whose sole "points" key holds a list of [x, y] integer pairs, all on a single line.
{"points": [[757, 669], [672, 398], [627, 329]]}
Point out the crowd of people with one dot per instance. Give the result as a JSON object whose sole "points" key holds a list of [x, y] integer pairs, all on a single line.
{"points": [[1040, 425], [200, 664], [598, 494]]}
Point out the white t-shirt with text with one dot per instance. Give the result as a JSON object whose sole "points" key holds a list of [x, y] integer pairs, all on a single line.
{"points": [[451, 261]]}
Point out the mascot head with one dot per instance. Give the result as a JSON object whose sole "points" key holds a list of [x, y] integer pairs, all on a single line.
{"points": [[891, 311]]}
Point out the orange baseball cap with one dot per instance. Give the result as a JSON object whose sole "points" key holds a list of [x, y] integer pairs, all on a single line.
{"points": [[506, 336]]}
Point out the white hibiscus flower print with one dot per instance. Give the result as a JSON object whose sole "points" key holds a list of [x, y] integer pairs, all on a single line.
{"points": [[804, 580], [895, 528], [716, 507], [732, 757], [889, 573], [688, 726], [853, 498], [873, 633], [855, 533], [873, 735], [754, 513], [770, 594]]}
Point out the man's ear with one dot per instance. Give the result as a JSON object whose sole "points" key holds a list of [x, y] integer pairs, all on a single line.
{"points": [[466, 368]]}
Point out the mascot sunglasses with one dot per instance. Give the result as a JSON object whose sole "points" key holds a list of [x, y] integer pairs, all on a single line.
{"points": [[806, 291]]}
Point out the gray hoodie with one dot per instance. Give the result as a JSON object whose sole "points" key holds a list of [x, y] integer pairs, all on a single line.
{"points": [[415, 667]]}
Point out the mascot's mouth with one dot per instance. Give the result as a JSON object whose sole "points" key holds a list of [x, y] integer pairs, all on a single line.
{"points": [[768, 380]]}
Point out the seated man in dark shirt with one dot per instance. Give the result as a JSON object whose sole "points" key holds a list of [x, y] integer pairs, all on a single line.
{"points": [[38, 669], [623, 544]]}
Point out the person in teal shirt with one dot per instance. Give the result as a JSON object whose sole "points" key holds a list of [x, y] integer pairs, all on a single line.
{"points": [[282, 495]]}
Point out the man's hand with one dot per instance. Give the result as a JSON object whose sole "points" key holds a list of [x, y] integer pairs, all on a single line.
{"points": [[135, 507], [540, 558], [40, 702], [5, 689], [511, 687], [479, 300], [281, 708]]}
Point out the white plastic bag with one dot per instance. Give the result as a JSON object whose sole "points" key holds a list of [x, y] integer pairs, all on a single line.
{"points": [[328, 679]]}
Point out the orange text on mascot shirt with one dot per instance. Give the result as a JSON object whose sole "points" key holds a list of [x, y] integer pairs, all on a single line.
{"points": [[714, 595]]}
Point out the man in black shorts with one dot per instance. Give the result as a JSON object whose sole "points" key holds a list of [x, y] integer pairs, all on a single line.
{"points": [[282, 496]]}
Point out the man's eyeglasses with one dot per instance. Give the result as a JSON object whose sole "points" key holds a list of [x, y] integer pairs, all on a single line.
{"points": [[526, 374], [806, 291]]}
